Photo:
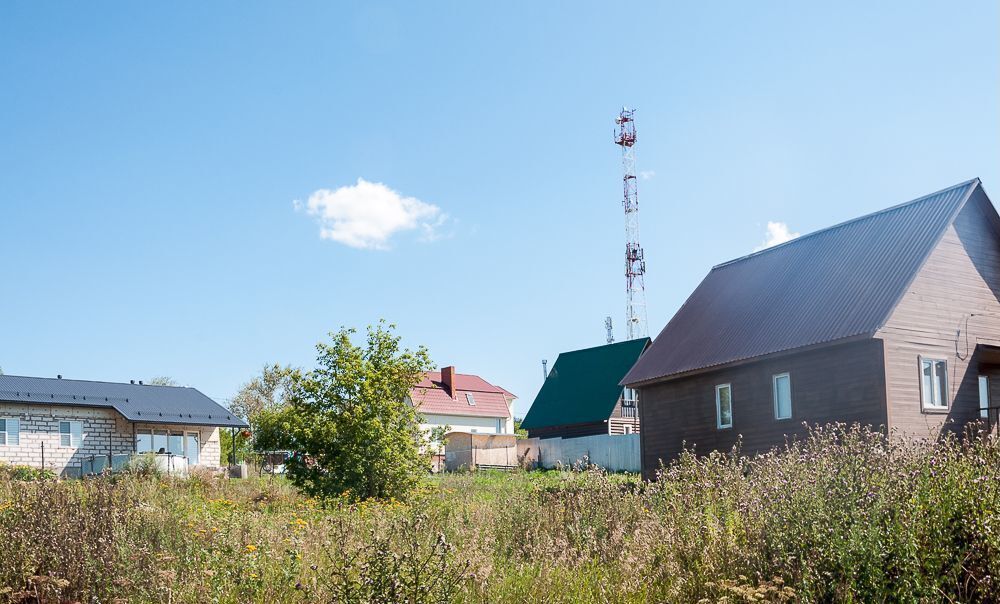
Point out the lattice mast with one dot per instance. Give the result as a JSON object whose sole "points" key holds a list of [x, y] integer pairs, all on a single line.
{"points": [[635, 263]]}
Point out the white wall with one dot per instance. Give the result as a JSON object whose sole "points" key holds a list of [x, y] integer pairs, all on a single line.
{"points": [[104, 431], [463, 423], [617, 453]]}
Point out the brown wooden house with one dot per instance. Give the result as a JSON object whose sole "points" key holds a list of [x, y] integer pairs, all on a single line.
{"points": [[891, 319]]}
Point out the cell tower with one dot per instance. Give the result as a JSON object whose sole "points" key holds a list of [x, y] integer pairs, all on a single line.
{"points": [[635, 264], [610, 329]]}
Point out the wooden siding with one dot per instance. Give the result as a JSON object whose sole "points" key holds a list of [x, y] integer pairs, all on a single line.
{"points": [[950, 307], [842, 382], [617, 422], [569, 430]]}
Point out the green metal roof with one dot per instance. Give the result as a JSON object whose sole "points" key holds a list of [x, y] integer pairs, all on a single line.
{"points": [[583, 385]]}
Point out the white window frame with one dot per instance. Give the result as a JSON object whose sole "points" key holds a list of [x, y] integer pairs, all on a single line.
{"points": [[70, 423], [6, 431], [774, 391], [984, 406], [187, 452], [718, 407], [470, 399], [936, 387]]}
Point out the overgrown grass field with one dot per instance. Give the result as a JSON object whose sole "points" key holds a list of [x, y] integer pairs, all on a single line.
{"points": [[844, 516]]}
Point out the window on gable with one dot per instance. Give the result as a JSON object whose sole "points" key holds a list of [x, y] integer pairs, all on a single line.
{"points": [[933, 383], [782, 386], [468, 397], [10, 431], [724, 406], [70, 434]]}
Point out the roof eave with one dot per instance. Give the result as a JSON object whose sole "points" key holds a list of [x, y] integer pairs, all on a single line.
{"points": [[748, 360]]}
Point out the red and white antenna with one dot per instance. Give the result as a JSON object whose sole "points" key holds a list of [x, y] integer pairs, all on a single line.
{"points": [[635, 263]]}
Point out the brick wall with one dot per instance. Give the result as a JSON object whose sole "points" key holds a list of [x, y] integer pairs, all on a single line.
{"points": [[104, 432]]}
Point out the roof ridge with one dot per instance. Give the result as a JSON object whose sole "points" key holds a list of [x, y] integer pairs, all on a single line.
{"points": [[35, 377], [972, 181], [589, 348]]}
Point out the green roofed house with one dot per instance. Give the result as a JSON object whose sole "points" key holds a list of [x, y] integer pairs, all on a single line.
{"points": [[581, 396]]}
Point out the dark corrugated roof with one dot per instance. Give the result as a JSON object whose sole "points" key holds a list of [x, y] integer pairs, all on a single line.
{"points": [[836, 283], [154, 404], [583, 385]]}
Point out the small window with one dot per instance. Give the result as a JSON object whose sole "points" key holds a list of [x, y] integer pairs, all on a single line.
{"points": [[10, 431], [933, 383], [782, 386], [984, 396], [500, 425], [627, 429], [468, 397], [70, 434], [724, 406]]}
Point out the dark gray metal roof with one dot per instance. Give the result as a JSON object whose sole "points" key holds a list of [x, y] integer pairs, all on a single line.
{"points": [[137, 403], [833, 284]]}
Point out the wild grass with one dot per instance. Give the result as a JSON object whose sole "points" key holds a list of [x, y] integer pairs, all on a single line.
{"points": [[845, 515]]}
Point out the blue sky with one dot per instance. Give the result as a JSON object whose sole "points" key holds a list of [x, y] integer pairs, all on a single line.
{"points": [[151, 158]]}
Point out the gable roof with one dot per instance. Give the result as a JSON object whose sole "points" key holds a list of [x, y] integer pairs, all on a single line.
{"points": [[583, 385], [836, 283], [430, 396], [136, 403]]}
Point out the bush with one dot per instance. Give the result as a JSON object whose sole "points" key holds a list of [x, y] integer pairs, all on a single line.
{"points": [[844, 515], [142, 466], [25, 473]]}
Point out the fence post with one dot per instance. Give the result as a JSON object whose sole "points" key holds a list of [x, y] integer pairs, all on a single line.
{"points": [[43, 454]]}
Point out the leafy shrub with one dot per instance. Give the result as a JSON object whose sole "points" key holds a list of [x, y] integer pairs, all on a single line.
{"points": [[25, 473], [143, 466], [844, 515]]}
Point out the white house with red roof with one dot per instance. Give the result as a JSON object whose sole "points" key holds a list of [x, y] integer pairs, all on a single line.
{"points": [[463, 402]]}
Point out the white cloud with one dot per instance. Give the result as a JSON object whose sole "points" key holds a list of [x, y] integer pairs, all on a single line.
{"points": [[647, 174], [366, 215], [777, 232]]}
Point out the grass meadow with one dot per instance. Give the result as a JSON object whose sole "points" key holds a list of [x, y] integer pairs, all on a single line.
{"points": [[843, 516]]}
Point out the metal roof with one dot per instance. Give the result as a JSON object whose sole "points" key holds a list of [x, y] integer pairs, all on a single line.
{"points": [[429, 396], [583, 385], [836, 283], [137, 403]]}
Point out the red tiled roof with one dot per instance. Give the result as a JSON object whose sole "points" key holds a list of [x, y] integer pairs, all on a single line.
{"points": [[430, 396]]}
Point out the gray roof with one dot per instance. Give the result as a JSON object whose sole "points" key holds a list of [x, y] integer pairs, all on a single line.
{"points": [[833, 284], [137, 403]]}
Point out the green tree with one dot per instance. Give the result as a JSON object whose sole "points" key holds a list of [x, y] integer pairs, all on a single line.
{"points": [[347, 420], [268, 391], [162, 380], [519, 432]]}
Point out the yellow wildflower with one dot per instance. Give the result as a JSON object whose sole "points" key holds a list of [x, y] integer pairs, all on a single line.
{"points": [[251, 548]]}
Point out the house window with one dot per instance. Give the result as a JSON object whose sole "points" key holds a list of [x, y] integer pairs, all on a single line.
{"points": [[933, 383], [70, 434], [143, 441], [782, 386], [984, 396], [175, 442], [192, 448], [468, 397], [10, 431], [627, 429], [160, 441], [499, 425], [724, 406]]}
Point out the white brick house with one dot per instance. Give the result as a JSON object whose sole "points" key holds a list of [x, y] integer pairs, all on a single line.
{"points": [[69, 425]]}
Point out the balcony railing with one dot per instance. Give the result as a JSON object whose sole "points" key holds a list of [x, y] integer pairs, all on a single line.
{"points": [[629, 409]]}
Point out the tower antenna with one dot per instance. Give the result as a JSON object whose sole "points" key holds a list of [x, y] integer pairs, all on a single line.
{"points": [[635, 263], [611, 333]]}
